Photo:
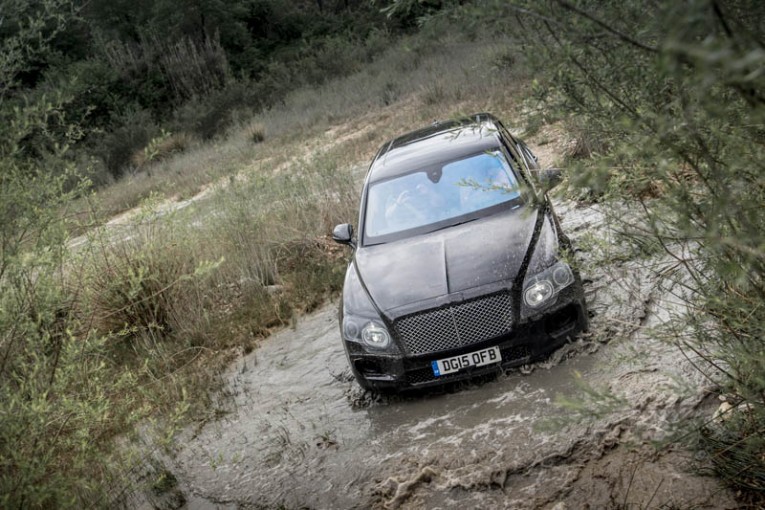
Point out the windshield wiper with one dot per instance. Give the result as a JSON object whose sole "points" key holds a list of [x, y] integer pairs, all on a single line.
{"points": [[457, 223]]}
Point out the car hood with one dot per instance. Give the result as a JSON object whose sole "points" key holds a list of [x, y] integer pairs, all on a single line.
{"points": [[447, 261]]}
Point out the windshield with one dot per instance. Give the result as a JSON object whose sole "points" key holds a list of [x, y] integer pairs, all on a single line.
{"points": [[441, 195]]}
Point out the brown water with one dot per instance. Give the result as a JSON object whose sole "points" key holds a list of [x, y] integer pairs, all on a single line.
{"points": [[299, 433]]}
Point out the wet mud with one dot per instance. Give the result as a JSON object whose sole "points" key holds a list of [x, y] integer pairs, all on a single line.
{"points": [[297, 432]]}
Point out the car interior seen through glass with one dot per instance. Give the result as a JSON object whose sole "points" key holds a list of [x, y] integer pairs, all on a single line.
{"points": [[451, 191]]}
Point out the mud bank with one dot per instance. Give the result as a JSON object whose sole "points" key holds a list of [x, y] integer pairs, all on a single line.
{"points": [[297, 432]]}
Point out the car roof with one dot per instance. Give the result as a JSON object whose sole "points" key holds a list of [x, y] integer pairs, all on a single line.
{"points": [[439, 142]]}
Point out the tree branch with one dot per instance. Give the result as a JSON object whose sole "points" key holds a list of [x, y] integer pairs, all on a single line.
{"points": [[608, 28]]}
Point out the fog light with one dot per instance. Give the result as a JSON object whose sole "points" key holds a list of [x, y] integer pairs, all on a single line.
{"points": [[538, 293]]}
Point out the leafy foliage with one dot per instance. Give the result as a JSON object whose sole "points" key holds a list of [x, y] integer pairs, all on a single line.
{"points": [[668, 104], [128, 70], [170, 58], [51, 381]]}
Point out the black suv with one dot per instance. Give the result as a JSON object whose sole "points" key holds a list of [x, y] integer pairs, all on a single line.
{"points": [[460, 265]]}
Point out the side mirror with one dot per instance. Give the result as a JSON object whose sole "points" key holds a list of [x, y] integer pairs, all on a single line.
{"points": [[343, 234], [550, 178]]}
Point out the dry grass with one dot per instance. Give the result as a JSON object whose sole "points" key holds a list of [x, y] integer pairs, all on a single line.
{"points": [[276, 198], [430, 81], [162, 148]]}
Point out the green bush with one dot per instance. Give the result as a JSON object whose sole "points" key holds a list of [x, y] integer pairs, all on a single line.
{"points": [[209, 116], [668, 110], [116, 148], [60, 407]]}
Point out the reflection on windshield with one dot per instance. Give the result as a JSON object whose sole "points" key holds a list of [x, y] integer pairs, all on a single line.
{"points": [[456, 189]]}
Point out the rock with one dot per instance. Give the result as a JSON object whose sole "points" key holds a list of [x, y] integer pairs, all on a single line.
{"points": [[274, 289], [723, 413]]}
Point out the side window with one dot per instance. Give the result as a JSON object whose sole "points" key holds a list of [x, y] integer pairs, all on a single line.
{"points": [[515, 148], [509, 141], [529, 156]]}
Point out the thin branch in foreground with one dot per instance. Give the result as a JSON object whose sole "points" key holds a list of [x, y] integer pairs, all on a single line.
{"points": [[608, 28]]}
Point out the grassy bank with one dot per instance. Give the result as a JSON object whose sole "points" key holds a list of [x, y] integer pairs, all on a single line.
{"points": [[128, 330], [133, 324], [404, 86]]}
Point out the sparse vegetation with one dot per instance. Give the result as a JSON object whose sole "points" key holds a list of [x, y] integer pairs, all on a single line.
{"points": [[160, 295], [116, 330], [667, 111]]}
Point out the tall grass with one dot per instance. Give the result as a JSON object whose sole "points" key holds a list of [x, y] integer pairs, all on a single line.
{"points": [[135, 322], [414, 81]]}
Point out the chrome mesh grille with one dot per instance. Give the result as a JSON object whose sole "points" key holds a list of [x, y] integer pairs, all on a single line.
{"points": [[457, 325]]}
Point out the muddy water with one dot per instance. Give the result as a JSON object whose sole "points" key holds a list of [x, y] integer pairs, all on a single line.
{"points": [[298, 432]]}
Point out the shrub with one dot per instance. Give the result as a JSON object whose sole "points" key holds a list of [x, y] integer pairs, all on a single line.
{"points": [[135, 129], [145, 291], [256, 132], [672, 110], [161, 148], [210, 116], [59, 408]]}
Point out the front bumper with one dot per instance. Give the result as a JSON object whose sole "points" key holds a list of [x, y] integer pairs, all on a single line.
{"points": [[528, 341]]}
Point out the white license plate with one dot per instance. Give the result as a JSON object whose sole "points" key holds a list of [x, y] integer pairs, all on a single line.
{"points": [[471, 359]]}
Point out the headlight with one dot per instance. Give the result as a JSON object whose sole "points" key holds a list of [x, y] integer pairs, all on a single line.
{"points": [[370, 333], [541, 289], [538, 293], [361, 321]]}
